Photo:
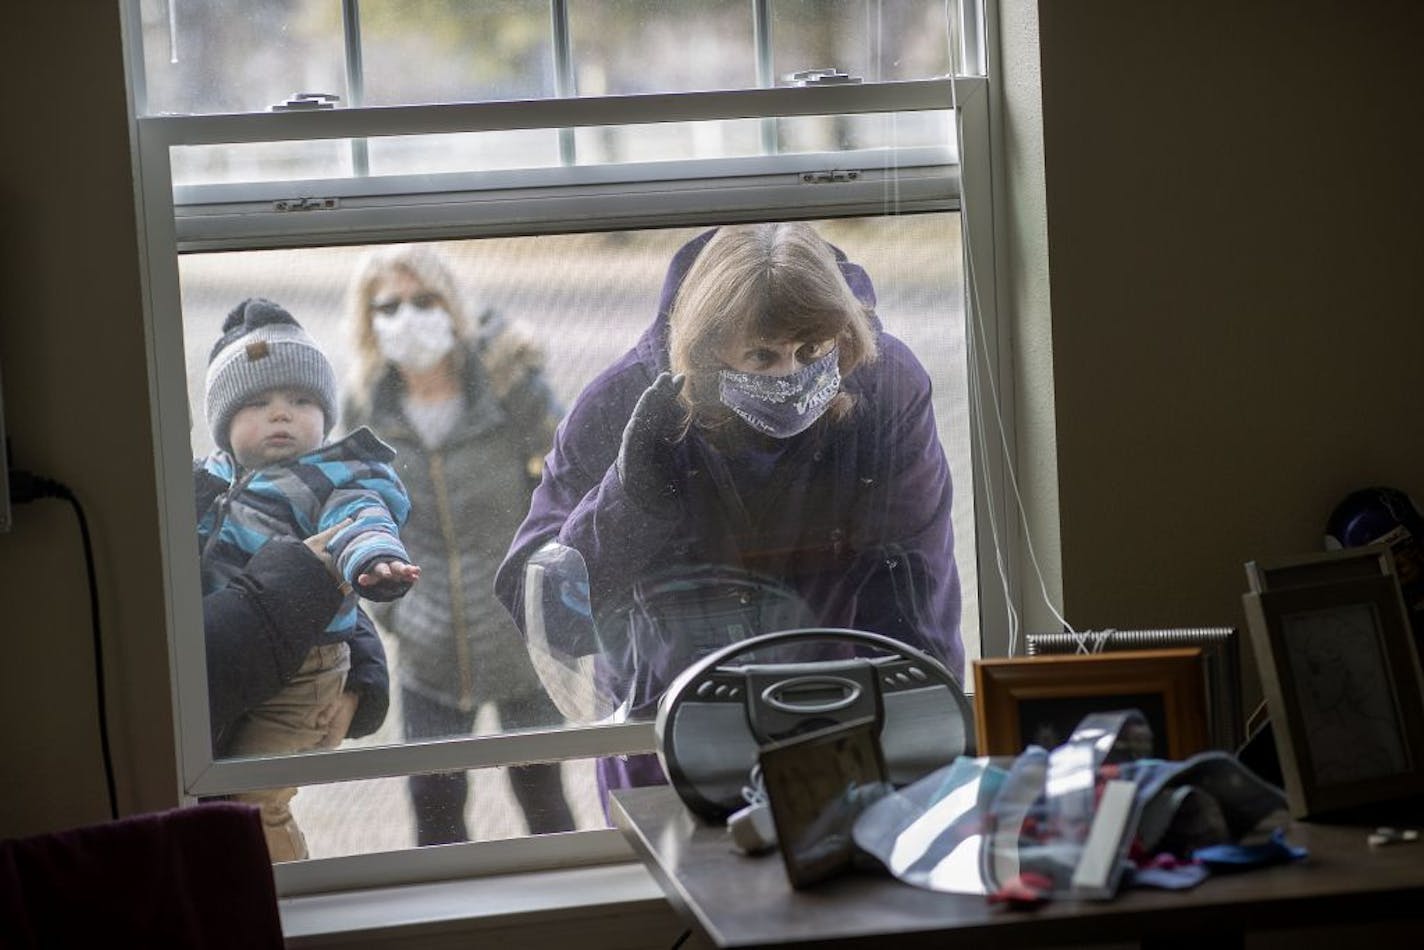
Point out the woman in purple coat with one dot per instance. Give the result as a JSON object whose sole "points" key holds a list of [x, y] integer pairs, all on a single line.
{"points": [[764, 457]]}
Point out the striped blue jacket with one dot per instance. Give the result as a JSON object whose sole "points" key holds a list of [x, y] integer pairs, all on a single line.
{"points": [[239, 511]]}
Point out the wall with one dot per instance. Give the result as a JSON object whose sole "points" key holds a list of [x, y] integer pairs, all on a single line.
{"points": [[1233, 307], [76, 406], [1233, 203]]}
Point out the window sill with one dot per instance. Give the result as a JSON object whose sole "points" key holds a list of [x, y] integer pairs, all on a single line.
{"points": [[608, 906]]}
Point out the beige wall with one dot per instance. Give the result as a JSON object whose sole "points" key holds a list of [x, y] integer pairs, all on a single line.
{"points": [[1233, 205], [76, 407]]}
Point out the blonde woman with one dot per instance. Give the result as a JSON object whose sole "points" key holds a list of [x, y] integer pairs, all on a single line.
{"points": [[463, 400], [765, 427]]}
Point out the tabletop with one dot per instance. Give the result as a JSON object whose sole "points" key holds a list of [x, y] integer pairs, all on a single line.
{"points": [[741, 901]]}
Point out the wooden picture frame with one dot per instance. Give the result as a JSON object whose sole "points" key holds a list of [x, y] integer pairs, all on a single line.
{"points": [[1221, 657], [1343, 686], [1015, 698]]}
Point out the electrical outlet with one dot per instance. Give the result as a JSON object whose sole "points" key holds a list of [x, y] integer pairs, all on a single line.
{"points": [[4, 466]]}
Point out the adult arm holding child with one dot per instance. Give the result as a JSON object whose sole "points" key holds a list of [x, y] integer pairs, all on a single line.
{"points": [[285, 598]]}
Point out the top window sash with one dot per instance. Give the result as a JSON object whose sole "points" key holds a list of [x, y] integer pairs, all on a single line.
{"points": [[850, 99]]}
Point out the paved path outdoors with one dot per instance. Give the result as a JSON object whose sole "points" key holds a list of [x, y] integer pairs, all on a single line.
{"points": [[375, 815]]}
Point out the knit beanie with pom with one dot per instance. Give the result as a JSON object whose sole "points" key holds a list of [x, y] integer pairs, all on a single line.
{"points": [[262, 347]]}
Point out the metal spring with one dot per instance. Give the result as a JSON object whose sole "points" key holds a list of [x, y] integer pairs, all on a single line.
{"points": [[1096, 640]]}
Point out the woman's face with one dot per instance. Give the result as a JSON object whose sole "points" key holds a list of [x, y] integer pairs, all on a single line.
{"points": [[771, 357], [411, 324]]}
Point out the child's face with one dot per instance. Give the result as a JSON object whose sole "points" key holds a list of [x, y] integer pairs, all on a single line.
{"points": [[276, 426]]}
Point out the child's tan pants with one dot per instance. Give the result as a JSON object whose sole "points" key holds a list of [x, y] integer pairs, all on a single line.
{"points": [[291, 722]]}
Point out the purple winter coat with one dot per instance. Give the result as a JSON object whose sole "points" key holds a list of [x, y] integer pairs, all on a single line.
{"points": [[855, 517]]}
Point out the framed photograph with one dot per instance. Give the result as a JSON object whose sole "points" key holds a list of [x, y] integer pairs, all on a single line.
{"points": [[1343, 686], [817, 783], [1019, 701], [1221, 658], [1320, 568]]}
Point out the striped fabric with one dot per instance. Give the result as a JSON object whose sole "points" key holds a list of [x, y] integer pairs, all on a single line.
{"points": [[350, 478]]}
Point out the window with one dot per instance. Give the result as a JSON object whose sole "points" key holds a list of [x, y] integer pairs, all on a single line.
{"points": [[554, 156]]}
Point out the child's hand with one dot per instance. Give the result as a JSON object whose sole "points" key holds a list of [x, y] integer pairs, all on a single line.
{"points": [[390, 573], [336, 719]]}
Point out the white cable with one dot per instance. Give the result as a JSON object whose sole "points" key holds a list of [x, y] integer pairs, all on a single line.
{"points": [[975, 399], [977, 402], [1013, 478], [754, 792], [991, 506], [1092, 641]]}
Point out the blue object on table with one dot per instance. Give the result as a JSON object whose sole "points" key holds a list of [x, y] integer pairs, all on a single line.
{"points": [[1226, 858]]}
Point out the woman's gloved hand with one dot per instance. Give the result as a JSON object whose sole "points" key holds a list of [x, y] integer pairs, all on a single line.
{"points": [[645, 459]]}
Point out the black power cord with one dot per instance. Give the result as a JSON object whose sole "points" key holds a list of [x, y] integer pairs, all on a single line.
{"points": [[27, 487]]}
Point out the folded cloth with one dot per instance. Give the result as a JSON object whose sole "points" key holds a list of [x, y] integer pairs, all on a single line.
{"points": [[190, 877]]}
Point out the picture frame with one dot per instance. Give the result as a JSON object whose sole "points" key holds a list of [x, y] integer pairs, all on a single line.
{"points": [[1342, 682], [1039, 699], [1319, 568], [1221, 657], [816, 784]]}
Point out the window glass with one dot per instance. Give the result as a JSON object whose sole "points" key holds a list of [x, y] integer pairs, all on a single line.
{"points": [[630, 46], [260, 161], [841, 133], [877, 40], [674, 141], [463, 151], [587, 297], [207, 56], [577, 302], [666, 141], [415, 51], [253, 162], [421, 394], [375, 815], [210, 56]]}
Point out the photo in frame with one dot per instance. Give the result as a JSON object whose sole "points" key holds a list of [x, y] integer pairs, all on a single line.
{"points": [[1342, 682], [1221, 659], [817, 784], [1038, 700]]}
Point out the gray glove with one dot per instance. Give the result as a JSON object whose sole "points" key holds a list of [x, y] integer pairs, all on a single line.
{"points": [[645, 459]]}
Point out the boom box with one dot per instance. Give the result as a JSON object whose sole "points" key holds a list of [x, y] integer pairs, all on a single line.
{"points": [[719, 711]]}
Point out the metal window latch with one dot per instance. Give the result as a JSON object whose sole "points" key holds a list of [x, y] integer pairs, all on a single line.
{"points": [[820, 77], [306, 101], [306, 204], [827, 178]]}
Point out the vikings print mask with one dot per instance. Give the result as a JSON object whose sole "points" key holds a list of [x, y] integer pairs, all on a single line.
{"points": [[783, 406]]}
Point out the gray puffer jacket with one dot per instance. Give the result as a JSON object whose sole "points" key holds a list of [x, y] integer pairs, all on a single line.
{"points": [[457, 643]]}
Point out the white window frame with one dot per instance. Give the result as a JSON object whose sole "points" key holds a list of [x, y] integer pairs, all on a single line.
{"points": [[561, 199]]}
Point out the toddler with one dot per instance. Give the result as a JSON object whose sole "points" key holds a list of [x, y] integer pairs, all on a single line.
{"points": [[270, 402]]}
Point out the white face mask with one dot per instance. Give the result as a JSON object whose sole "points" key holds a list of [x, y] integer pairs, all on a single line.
{"points": [[414, 338]]}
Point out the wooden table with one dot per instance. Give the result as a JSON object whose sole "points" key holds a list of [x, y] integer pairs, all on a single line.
{"points": [[740, 901]]}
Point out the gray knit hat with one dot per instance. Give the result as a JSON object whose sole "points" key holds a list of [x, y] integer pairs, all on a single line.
{"points": [[262, 347]]}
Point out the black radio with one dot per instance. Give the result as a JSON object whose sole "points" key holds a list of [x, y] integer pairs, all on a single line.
{"points": [[718, 712]]}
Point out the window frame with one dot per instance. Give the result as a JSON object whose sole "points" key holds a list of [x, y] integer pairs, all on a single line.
{"points": [[567, 198]]}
